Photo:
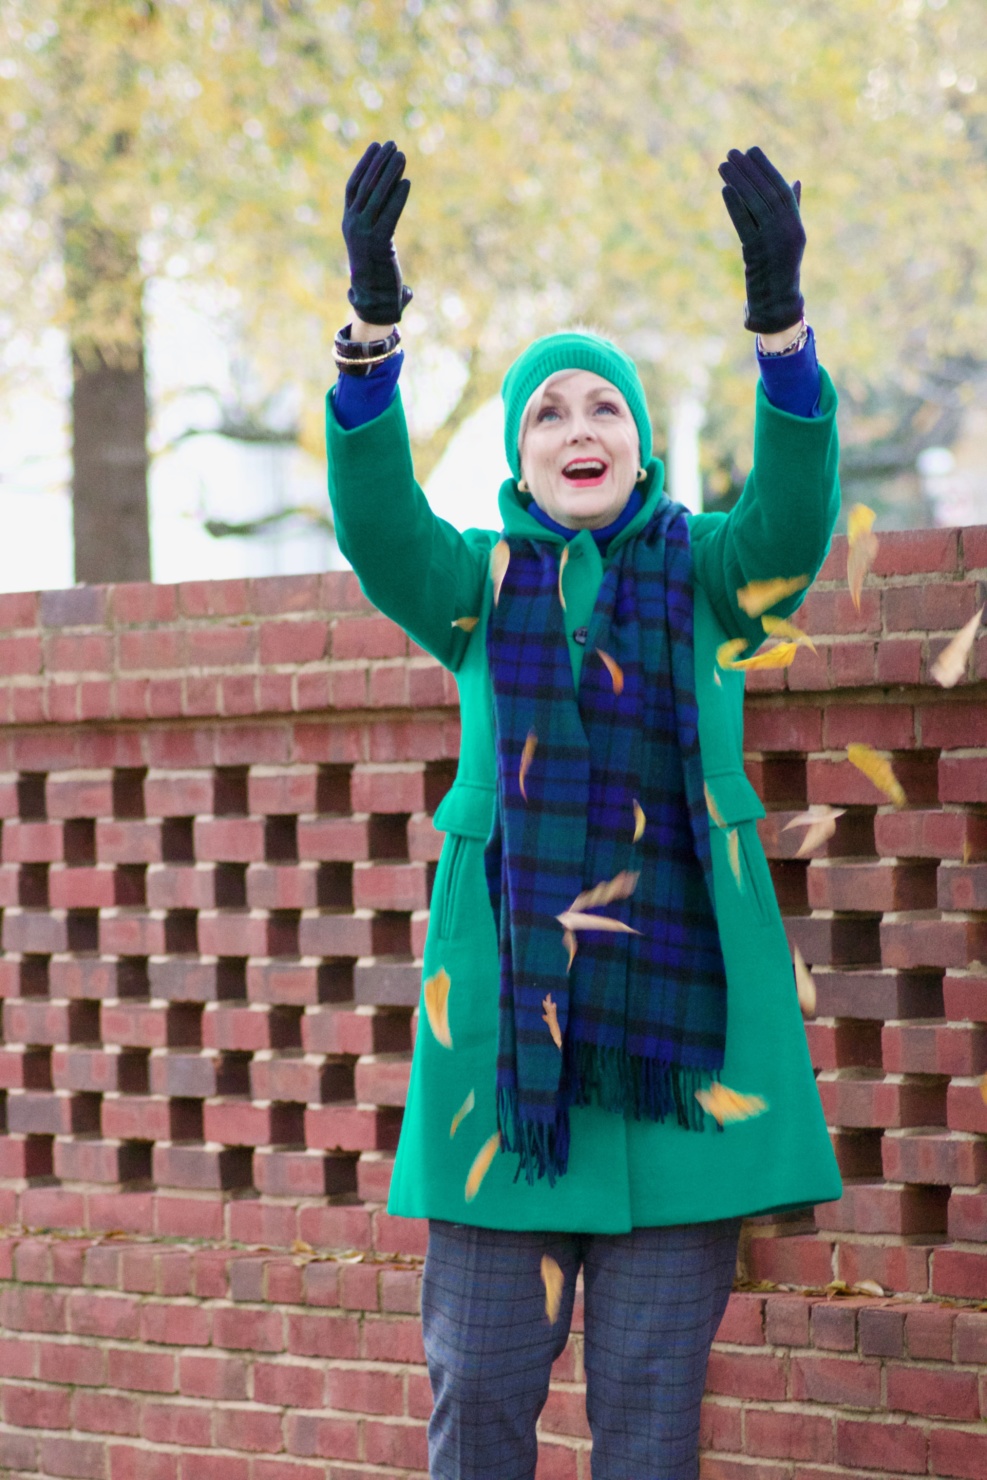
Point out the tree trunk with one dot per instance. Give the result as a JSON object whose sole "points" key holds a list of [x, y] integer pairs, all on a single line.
{"points": [[109, 468], [109, 403]]}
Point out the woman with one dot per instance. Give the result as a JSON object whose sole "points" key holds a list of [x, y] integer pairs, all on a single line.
{"points": [[556, 1115]]}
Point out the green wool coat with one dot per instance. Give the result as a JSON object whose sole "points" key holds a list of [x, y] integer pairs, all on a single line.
{"points": [[622, 1173]]}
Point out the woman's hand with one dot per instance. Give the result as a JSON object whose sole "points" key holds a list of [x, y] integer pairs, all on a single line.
{"points": [[765, 210], [375, 197]]}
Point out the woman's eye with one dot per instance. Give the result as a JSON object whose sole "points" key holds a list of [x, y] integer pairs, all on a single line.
{"points": [[546, 412], [608, 406]]}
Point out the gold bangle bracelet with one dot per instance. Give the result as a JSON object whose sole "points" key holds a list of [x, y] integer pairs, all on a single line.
{"points": [[363, 359]]}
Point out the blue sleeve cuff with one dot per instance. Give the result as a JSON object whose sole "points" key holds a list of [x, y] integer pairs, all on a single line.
{"points": [[357, 399], [791, 382]]}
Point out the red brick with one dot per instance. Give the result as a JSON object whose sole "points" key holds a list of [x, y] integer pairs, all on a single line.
{"points": [[793, 1260], [229, 839], [80, 1459], [932, 1392], [871, 886], [786, 1435], [933, 1048], [222, 1379], [967, 1214], [309, 1434], [962, 778], [154, 648], [36, 1407], [927, 940], [893, 1266], [960, 1273], [897, 1446], [289, 1385], [106, 1413], [406, 1445], [352, 1127], [844, 1382], [957, 1452], [246, 1428], [249, 1330], [176, 1423], [746, 1375], [939, 1157]]}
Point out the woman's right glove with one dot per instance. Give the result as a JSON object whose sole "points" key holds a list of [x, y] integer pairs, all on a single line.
{"points": [[765, 210], [375, 197]]}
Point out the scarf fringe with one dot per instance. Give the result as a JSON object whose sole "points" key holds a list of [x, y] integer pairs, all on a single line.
{"points": [[624, 1084]]}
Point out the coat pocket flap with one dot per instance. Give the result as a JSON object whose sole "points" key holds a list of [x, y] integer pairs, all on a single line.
{"points": [[466, 809], [735, 798]]}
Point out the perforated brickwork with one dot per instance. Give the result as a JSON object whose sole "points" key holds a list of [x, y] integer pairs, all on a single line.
{"points": [[216, 857]]}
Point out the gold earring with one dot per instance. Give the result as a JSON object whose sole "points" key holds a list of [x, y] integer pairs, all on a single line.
{"points": [[642, 474], [522, 486]]}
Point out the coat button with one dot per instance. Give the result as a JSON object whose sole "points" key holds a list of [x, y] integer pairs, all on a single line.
{"points": [[580, 635]]}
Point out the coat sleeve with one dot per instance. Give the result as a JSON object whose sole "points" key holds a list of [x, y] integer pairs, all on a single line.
{"points": [[783, 521], [415, 568]]}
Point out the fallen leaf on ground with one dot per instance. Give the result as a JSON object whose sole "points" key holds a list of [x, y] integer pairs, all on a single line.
{"points": [[878, 770], [733, 855], [862, 548], [615, 671], [804, 985], [481, 1165], [466, 623], [575, 920], [562, 565], [950, 666], [820, 820], [782, 627], [868, 1287], [553, 1279], [569, 941], [757, 596], [639, 822], [551, 1017], [437, 1006], [621, 886], [726, 1105], [461, 1114], [500, 559], [527, 756], [299, 1246]]}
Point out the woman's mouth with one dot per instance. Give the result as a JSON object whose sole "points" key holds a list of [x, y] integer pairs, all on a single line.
{"points": [[585, 472]]}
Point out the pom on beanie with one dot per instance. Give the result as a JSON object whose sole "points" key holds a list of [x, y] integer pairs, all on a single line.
{"points": [[575, 350]]}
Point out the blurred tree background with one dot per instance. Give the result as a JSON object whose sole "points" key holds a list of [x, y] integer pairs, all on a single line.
{"points": [[563, 160]]}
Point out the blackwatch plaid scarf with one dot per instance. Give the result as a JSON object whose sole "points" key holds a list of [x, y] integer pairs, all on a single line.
{"points": [[642, 1017]]}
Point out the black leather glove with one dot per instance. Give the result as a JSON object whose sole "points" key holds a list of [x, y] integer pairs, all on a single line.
{"points": [[765, 210], [375, 197]]}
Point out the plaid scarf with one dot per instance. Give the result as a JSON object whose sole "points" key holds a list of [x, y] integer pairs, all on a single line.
{"points": [[642, 1017]]}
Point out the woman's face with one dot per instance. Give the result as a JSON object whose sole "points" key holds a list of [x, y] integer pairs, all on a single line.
{"points": [[581, 450]]}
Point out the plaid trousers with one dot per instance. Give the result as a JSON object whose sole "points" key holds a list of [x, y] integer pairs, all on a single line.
{"points": [[653, 1300]]}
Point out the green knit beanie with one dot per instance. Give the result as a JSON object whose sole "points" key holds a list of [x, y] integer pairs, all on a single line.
{"points": [[571, 351]]}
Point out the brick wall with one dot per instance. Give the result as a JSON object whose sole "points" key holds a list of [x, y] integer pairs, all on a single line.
{"points": [[216, 860]]}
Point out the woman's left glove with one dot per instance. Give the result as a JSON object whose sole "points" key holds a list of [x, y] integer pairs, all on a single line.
{"points": [[375, 197], [765, 210]]}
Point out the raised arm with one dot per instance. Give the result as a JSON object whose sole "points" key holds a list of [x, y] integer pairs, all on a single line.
{"points": [[416, 568], [783, 522]]}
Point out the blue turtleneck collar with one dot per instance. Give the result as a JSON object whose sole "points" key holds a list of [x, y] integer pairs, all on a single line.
{"points": [[601, 536]]}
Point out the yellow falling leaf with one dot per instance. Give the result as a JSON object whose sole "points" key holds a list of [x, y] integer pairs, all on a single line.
{"points": [[562, 565], [481, 1165], [733, 855], [639, 822], [575, 920], [712, 808], [782, 627], [717, 679], [465, 623], [500, 559], [437, 1006], [983, 1088], [877, 769], [820, 824], [554, 1280], [468, 1104], [859, 521], [726, 1105], [570, 943], [757, 596], [621, 886], [615, 671], [782, 655], [862, 548], [804, 985], [527, 756], [950, 666], [727, 652], [551, 1017]]}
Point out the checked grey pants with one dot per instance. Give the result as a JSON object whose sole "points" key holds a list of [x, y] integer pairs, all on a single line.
{"points": [[653, 1300]]}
